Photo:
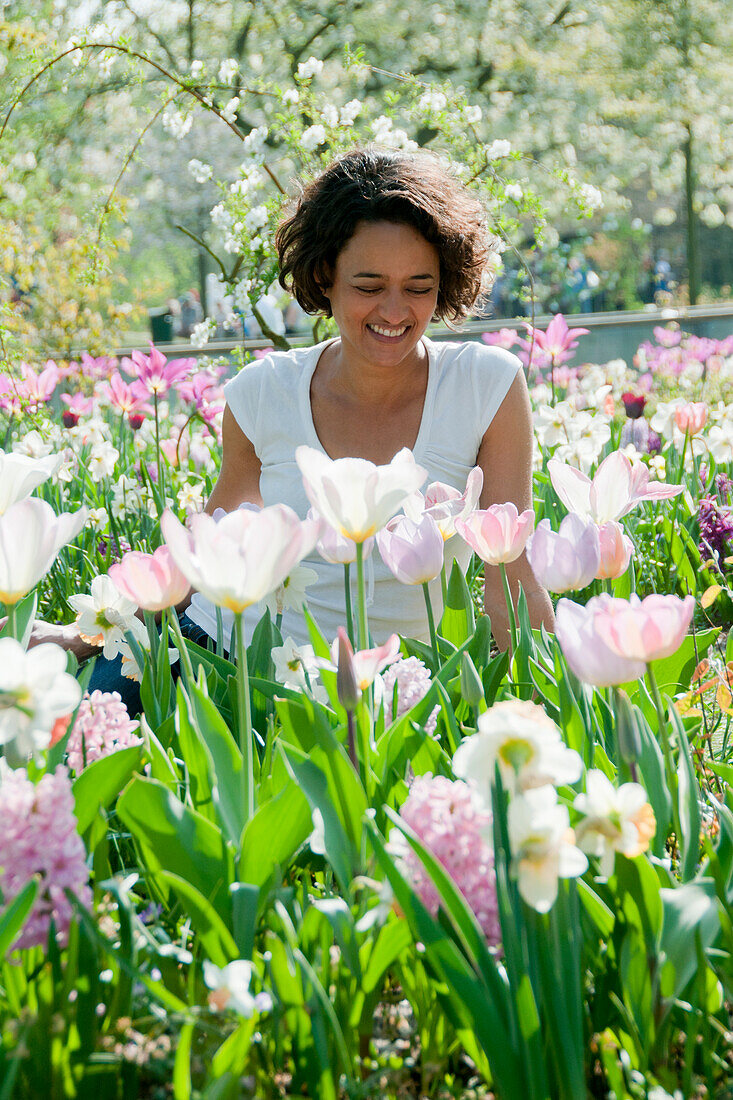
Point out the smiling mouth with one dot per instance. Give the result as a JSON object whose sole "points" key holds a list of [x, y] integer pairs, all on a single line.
{"points": [[391, 333]]}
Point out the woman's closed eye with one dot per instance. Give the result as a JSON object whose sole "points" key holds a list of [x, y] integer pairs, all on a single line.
{"points": [[410, 290]]}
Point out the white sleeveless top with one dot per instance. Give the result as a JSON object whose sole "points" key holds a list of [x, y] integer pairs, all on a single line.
{"points": [[270, 400]]}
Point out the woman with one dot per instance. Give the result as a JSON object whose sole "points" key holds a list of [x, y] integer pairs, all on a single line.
{"points": [[384, 243]]}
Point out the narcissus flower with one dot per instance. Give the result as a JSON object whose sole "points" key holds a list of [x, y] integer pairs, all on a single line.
{"points": [[615, 820], [542, 845], [229, 987], [35, 690]]}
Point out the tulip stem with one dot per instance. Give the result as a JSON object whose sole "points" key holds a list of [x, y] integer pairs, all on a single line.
{"points": [[348, 602], [509, 607], [431, 625], [245, 720], [183, 657], [361, 590], [667, 750], [444, 585]]}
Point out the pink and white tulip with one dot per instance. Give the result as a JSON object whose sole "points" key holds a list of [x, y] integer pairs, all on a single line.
{"points": [[355, 496], [692, 417], [446, 504], [334, 547], [151, 581], [616, 488], [364, 664], [240, 559], [413, 552], [616, 550], [567, 559], [497, 534], [645, 630], [585, 651]]}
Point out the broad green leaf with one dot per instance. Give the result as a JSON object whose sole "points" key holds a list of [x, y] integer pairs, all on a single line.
{"points": [[274, 834], [226, 762], [340, 850], [216, 940], [173, 837], [688, 794], [689, 910], [13, 916], [97, 786], [457, 623]]}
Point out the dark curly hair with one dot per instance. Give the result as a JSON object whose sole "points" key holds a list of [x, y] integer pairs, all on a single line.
{"points": [[371, 185]]}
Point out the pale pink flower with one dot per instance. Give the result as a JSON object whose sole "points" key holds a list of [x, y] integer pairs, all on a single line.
{"points": [[497, 534], [505, 338], [586, 653], [412, 681], [452, 825], [412, 551], [102, 726], [121, 395], [556, 344], [692, 417], [644, 630], [40, 838], [364, 664], [565, 559], [152, 581], [616, 488], [38, 387], [446, 504], [616, 550]]}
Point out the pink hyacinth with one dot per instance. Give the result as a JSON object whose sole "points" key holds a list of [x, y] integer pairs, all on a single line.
{"points": [[412, 679], [102, 726], [450, 823], [40, 838]]}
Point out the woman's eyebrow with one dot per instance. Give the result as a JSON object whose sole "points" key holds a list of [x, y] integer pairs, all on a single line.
{"points": [[377, 275]]}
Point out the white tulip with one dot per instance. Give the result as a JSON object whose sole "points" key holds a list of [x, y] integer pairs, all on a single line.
{"points": [[31, 535], [355, 496], [238, 560], [20, 475], [35, 690]]}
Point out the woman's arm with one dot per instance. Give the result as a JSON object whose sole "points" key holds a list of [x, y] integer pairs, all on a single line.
{"points": [[505, 456], [239, 477]]}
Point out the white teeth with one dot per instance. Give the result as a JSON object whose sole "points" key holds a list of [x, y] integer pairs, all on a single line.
{"points": [[388, 331]]}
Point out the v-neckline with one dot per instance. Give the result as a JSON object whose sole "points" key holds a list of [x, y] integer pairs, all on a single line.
{"points": [[307, 409]]}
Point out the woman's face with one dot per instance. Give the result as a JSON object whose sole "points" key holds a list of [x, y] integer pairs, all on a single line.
{"points": [[384, 292]]}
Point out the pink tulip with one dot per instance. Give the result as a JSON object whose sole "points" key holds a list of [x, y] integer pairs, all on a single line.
{"points": [[645, 630], [446, 504], [413, 552], [505, 338], [586, 653], [616, 488], [365, 663], [154, 374], [556, 345], [616, 550], [567, 559], [122, 396], [152, 581], [497, 534], [37, 388], [692, 417]]}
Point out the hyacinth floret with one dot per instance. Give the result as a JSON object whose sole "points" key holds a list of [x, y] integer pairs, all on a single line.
{"points": [[102, 726], [412, 679], [447, 817], [40, 838], [716, 528]]}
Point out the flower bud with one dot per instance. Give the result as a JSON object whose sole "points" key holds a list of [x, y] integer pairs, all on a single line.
{"points": [[346, 685]]}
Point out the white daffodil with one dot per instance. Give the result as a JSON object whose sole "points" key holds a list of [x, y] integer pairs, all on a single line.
{"points": [[298, 667], [31, 535], [524, 742], [291, 593], [615, 820], [355, 496], [229, 987], [542, 845], [130, 668], [105, 615], [20, 475], [239, 559], [35, 690]]}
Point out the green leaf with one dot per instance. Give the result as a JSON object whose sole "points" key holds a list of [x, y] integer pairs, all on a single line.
{"points": [[182, 1066], [216, 940], [13, 916], [274, 834], [225, 761], [341, 851], [458, 621], [688, 794], [245, 899], [97, 786], [689, 910], [173, 837], [597, 910]]}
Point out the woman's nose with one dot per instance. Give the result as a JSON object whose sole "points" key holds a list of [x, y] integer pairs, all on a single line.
{"points": [[394, 305]]}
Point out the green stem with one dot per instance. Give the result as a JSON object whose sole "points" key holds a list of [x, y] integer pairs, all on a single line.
{"points": [[509, 607], [348, 603], [444, 586], [244, 720], [157, 449], [361, 591], [667, 751], [431, 625], [183, 657]]}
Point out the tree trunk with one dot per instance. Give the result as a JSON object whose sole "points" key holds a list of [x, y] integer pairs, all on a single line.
{"points": [[693, 255]]}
